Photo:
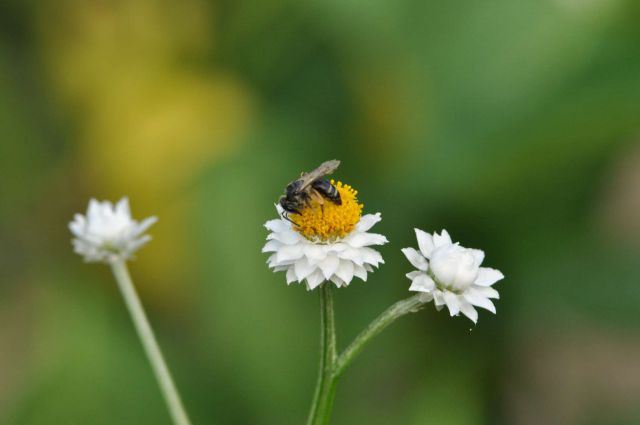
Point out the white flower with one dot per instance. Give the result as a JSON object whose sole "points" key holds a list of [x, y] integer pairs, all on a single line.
{"points": [[315, 261], [450, 275], [107, 233]]}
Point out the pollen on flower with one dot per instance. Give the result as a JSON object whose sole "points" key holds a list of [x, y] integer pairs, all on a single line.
{"points": [[325, 221]]}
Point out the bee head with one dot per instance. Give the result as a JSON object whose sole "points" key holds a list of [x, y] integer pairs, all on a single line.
{"points": [[289, 205]]}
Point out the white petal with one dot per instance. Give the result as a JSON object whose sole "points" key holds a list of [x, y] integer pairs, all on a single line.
{"points": [[345, 271], [289, 253], [422, 283], [468, 310], [288, 237], [358, 240], [360, 272], [136, 244], [453, 303], [277, 225], [425, 242], [93, 211], [416, 259], [77, 225], [337, 247], [329, 265], [337, 281], [485, 291], [314, 253], [271, 261], [367, 221], [122, 207], [487, 276], [371, 256], [480, 301], [438, 298], [412, 275], [145, 224], [441, 239], [352, 254], [368, 267], [314, 280], [291, 275], [478, 255], [303, 268], [271, 246], [275, 262]]}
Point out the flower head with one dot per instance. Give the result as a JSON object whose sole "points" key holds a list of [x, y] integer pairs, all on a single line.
{"points": [[108, 233], [325, 242], [450, 275]]}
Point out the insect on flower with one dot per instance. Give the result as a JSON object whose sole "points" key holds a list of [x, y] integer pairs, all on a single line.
{"points": [[311, 186], [321, 234]]}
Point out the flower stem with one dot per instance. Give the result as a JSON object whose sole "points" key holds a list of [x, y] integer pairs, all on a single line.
{"points": [[324, 384], [397, 310], [331, 365], [154, 355]]}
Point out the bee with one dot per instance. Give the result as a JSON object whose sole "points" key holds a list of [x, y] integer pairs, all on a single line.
{"points": [[311, 185]]}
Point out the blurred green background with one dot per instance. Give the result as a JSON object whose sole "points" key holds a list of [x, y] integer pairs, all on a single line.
{"points": [[515, 125]]}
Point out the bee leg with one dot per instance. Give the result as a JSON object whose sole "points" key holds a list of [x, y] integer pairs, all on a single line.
{"points": [[286, 217], [317, 196]]}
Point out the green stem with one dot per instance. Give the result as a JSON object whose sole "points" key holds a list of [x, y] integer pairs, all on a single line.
{"points": [[327, 357], [331, 365], [171, 396], [397, 310]]}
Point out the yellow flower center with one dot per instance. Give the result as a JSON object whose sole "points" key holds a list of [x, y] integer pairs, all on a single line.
{"points": [[324, 221]]}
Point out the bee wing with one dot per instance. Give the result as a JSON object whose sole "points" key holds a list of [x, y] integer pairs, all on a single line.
{"points": [[325, 168]]}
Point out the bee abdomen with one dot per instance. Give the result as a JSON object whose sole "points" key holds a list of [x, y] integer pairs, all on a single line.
{"points": [[329, 191]]}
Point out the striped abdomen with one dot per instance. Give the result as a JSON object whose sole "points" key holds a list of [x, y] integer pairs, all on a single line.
{"points": [[326, 189]]}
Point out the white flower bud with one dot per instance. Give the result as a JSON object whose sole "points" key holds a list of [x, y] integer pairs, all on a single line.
{"points": [[108, 233], [450, 275], [454, 267]]}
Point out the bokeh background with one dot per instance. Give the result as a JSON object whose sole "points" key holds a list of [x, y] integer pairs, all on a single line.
{"points": [[515, 125]]}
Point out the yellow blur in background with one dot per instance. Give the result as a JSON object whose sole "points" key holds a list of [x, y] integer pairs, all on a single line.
{"points": [[149, 117]]}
